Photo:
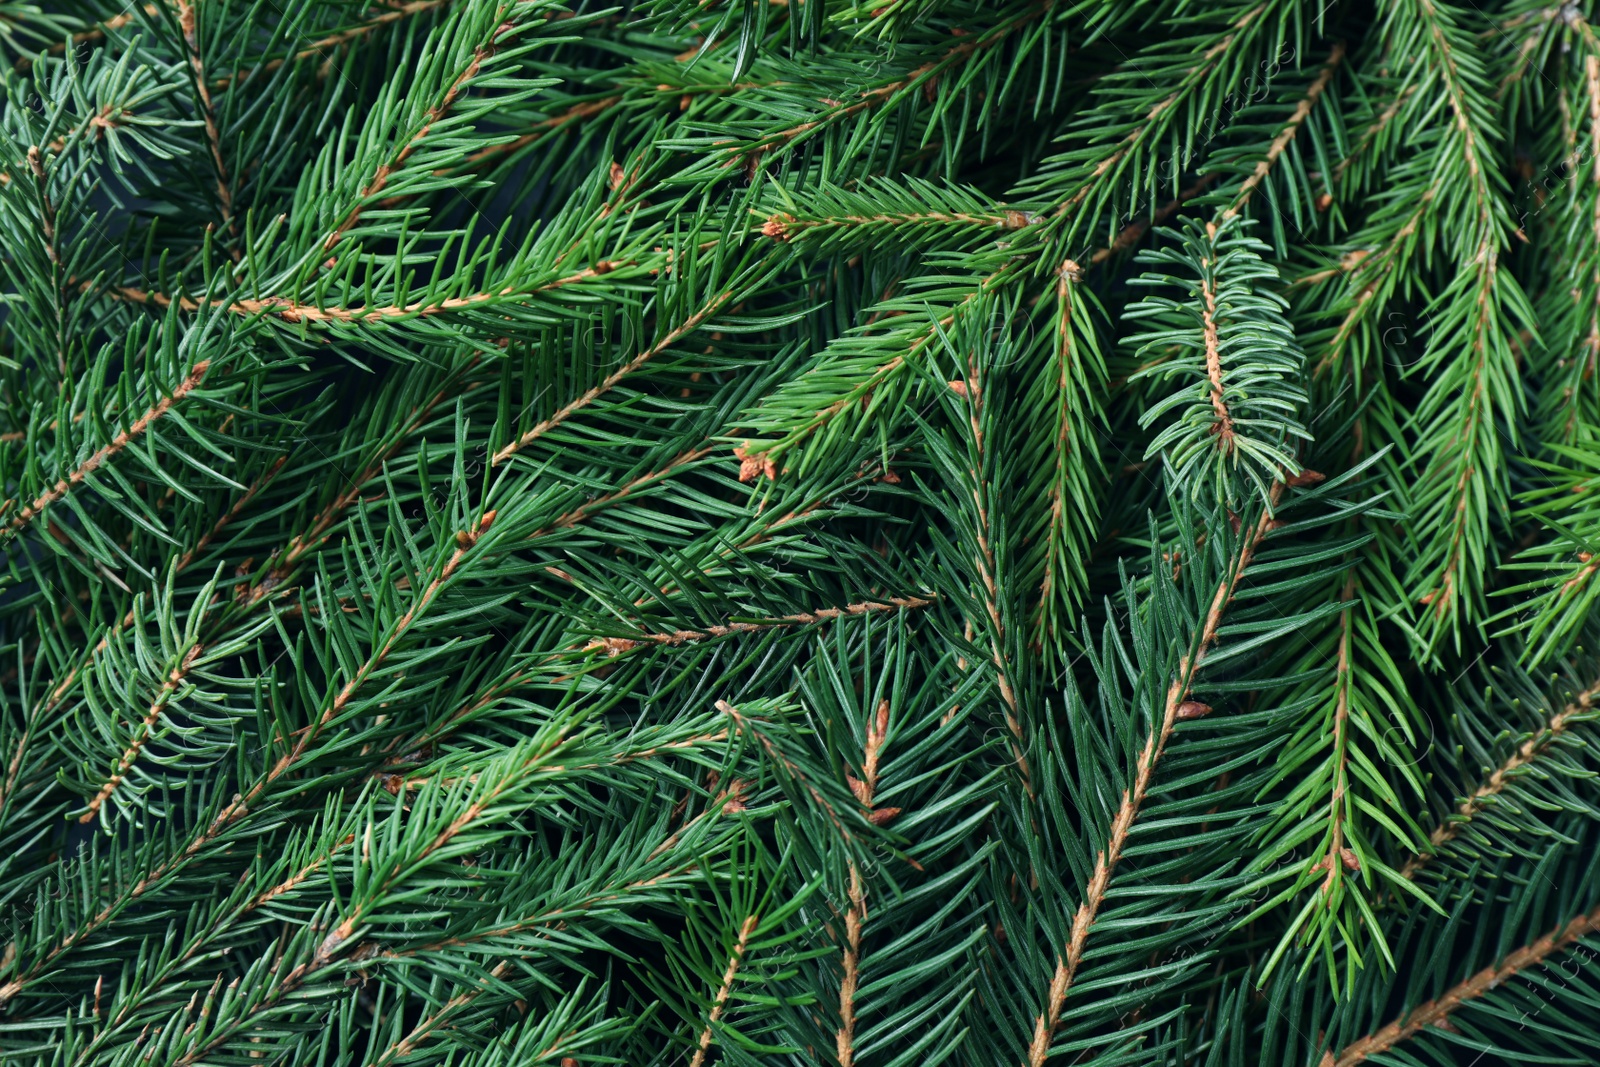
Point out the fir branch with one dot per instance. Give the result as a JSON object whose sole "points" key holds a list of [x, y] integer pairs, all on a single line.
{"points": [[892, 93], [1334, 860], [615, 646], [719, 1004], [986, 568], [1173, 710], [240, 806], [1554, 731], [141, 733], [683, 329], [390, 13], [106, 452], [1436, 1012], [188, 25], [573, 114], [380, 177], [290, 310], [1286, 135]]}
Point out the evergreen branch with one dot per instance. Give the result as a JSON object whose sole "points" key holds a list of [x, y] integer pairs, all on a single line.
{"points": [[1237, 364], [1536, 745], [1208, 318], [434, 114], [392, 13], [1588, 364], [1134, 231], [1373, 132], [240, 806], [1174, 709], [720, 1003], [286, 559], [1077, 364], [1094, 173], [988, 572], [892, 92], [438, 1020], [141, 734], [187, 23], [556, 919], [200, 941], [291, 310], [746, 725], [570, 115], [1436, 1012], [106, 452], [1286, 135], [47, 227], [397, 784], [802, 418], [568, 519], [1335, 859], [94, 33], [1466, 107], [617, 645], [672, 337]]}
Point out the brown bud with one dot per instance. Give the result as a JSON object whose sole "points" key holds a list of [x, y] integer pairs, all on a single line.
{"points": [[858, 787], [1192, 709], [487, 521], [777, 227], [959, 388], [883, 816], [463, 539], [1305, 478], [751, 466], [611, 646], [1351, 861]]}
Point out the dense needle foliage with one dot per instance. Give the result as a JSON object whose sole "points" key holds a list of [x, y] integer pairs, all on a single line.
{"points": [[863, 532]]}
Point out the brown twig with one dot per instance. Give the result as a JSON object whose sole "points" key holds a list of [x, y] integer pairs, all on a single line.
{"points": [[1224, 425]]}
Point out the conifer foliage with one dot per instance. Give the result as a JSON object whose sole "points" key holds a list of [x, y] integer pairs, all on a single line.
{"points": [[852, 532]]}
